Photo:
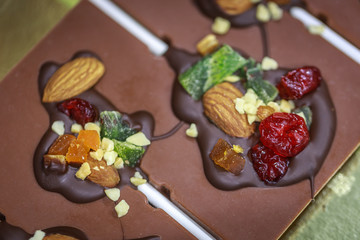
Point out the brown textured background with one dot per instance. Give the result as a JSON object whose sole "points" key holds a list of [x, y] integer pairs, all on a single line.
{"points": [[334, 214]]}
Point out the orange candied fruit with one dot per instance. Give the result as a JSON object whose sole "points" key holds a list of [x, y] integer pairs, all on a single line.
{"points": [[61, 145], [90, 138], [77, 152]]}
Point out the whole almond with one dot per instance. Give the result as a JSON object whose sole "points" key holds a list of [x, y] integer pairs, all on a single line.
{"points": [[219, 107], [234, 7], [102, 174], [73, 78]]}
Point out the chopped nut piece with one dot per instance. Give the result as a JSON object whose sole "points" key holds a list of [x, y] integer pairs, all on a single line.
{"points": [[192, 131], [138, 139], [286, 106], [58, 127], [249, 104], [98, 155], [234, 7], [137, 181], [220, 26], [96, 168], [113, 194], [122, 208], [207, 45], [232, 78], [275, 10], [92, 126], [274, 105], [83, 171], [119, 163], [76, 128], [107, 145], [301, 114], [316, 29], [269, 64], [138, 175], [262, 13], [226, 157], [238, 149], [264, 111], [39, 235], [110, 157]]}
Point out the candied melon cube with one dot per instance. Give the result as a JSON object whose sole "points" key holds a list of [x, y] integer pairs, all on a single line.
{"points": [[61, 145], [226, 157], [91, 138], [77, 152]]}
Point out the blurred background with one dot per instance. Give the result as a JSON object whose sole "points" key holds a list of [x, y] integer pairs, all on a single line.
{"points": [[334, 214]]}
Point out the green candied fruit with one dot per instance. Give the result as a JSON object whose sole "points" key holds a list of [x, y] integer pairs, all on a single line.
{"points": [[251, 63], [307, 114], [264, 89], [129, 152], [211, 70], [113, 127]]}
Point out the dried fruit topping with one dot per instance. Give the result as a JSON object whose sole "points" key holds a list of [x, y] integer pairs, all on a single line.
{"points": [[79, 110], [102, 174], [285, 133], [219, 107], [58, 237], [269, 166], [77, 153], [91, 138], [61, 145], [234, 7], [226, 157], [299, 82]]}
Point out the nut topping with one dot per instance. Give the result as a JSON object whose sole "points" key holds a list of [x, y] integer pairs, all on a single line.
{"points": [[73, 78], [219, 106]]}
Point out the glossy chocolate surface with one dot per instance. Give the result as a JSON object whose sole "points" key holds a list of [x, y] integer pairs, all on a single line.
{"points": [[65, 182], [303, 166], [11, 232]]}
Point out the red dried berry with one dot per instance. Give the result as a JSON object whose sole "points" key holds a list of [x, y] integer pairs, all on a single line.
{"points": [[269, 166], [285, 133], [299, 82], [79, 110]]}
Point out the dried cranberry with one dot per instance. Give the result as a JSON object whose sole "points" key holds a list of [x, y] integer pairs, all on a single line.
{"points": [[269, 166], [285, 133], [299, 82], [79, 110]]}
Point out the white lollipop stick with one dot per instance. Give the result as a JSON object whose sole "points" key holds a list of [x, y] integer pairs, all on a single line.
{"points": [[155, 44], [159, 201], [328, 34]]}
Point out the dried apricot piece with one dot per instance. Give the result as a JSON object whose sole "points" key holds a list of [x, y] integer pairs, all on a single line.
{"points": [[77, 153], [226, 157], [61, 145], [91, 138]]}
